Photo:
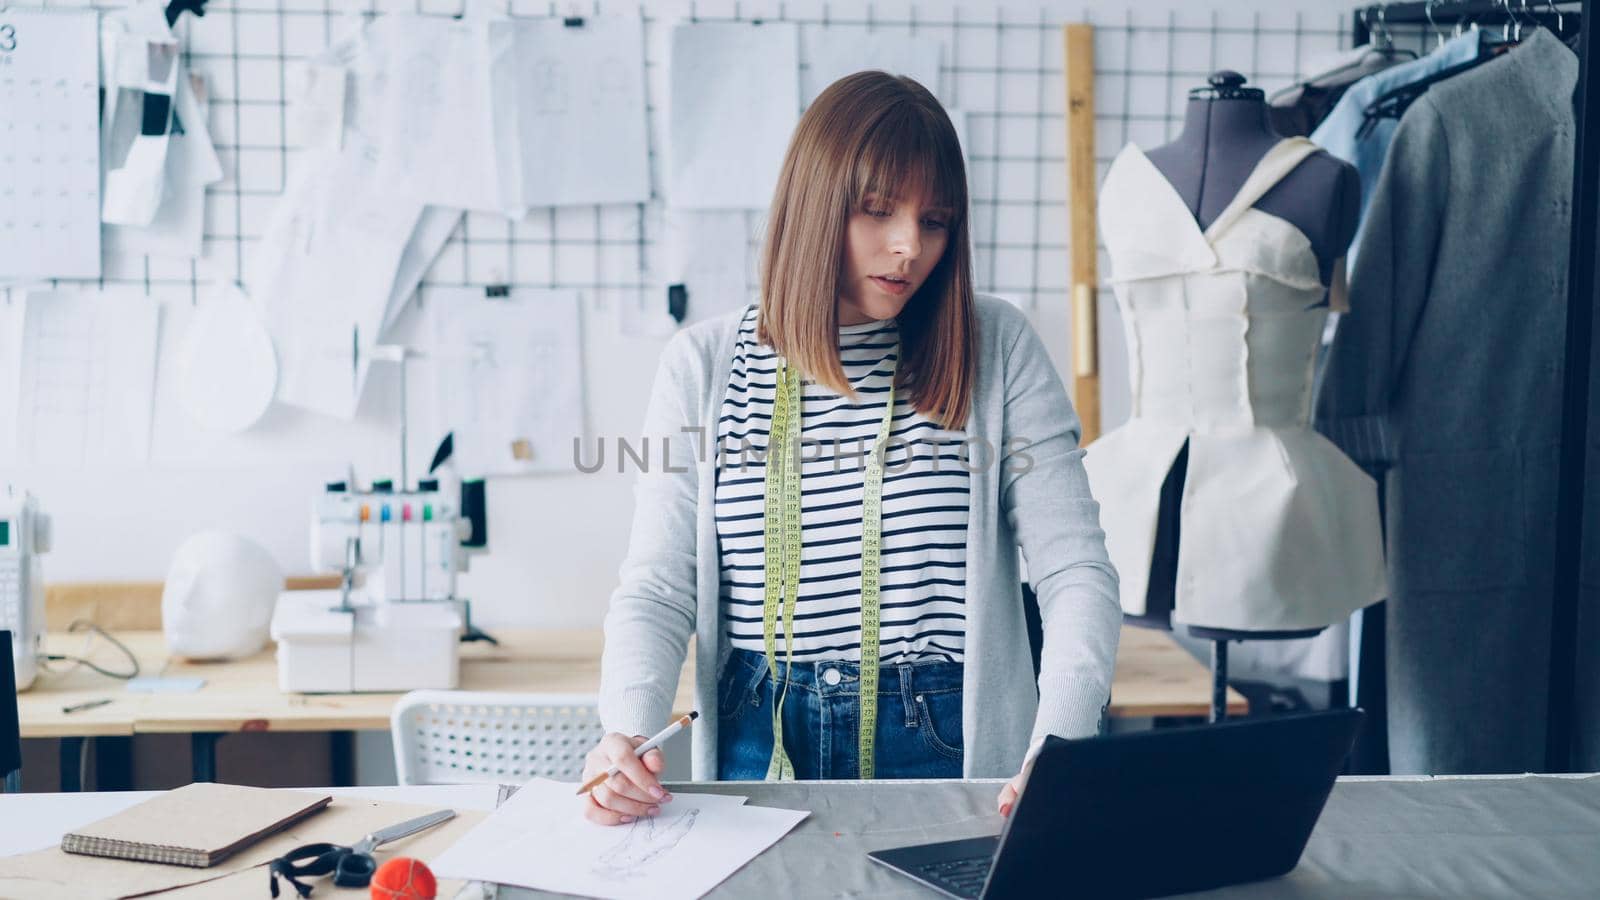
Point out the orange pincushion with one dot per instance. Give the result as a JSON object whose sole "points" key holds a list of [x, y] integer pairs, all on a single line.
{"points": [[404, 878]]}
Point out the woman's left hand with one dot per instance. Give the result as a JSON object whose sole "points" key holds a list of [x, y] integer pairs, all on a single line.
{"points": [[1013, 788], [1009, 793]]}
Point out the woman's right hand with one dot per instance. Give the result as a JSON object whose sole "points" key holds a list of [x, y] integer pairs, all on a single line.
{"points": [[632, 793]]}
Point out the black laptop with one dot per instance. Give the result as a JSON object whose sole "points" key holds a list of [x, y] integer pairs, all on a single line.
{"points": [[1151, 813]]}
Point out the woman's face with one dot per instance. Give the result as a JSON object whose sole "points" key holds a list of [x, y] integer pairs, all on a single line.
{"points": [[890, 247]]}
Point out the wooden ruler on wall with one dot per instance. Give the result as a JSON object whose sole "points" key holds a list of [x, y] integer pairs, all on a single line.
{"points": [[1079, 67]]}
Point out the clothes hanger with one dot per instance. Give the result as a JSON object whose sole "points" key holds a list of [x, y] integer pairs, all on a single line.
{"points": [[1299, 108], [1384, 42], [1382, 47], [1561, 21], [1381, 41], [1572, 39], [1511, 31], [1438, 33], [1393, 104]]}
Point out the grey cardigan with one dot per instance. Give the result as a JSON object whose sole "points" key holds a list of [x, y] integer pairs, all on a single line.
{"points": [[1029, 492]]}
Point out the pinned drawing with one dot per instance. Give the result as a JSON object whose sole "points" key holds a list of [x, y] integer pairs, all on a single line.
{"points": [[576, 110], [645, 840], [509, 377]]}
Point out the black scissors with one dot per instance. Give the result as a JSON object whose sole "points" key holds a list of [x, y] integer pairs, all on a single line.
{"points": [[351, 866]]}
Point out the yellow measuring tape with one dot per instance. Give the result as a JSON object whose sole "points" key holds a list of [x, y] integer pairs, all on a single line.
{"points": [[781, 533]]}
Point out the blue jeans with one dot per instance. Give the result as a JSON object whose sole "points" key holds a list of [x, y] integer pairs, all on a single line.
{"points": [[919, 719]]}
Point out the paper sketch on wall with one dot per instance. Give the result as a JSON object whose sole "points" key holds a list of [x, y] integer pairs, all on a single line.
{"points": [[709, 253], [325, 315], [440, 139], [572, 102], [735, 99], [509, 377], [539, 839], [85, 371]]}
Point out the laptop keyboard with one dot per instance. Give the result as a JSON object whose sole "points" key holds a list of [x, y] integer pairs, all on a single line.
{"points": [[962, 877]]}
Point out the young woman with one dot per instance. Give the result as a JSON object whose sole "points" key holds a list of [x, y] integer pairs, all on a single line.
{"points": [[855, 600]]}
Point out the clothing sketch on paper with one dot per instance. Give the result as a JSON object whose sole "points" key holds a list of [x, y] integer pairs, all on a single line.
{"points": [[645, 840]]}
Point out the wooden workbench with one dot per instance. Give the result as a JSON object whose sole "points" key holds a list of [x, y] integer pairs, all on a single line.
{"points": [[1154, 677], [243, 695]]}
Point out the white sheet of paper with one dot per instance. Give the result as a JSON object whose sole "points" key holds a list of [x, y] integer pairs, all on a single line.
{"points": [[178, 229], [438, 124], [315, 117], [579, 105], [644, 313], [708, 252], [539, 839], [134, 189], [510, 377], [324, 314], [87, 377], [230, 372], [50, 153], [735, 100], [834, 53], [432, 233]]}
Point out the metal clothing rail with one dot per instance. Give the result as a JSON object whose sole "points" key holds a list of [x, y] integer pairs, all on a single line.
{"points": [[1449, 12], [1582, 296]]}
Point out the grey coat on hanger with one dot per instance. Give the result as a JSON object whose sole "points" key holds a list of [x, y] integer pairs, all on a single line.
{"points": [[1448, 369]]}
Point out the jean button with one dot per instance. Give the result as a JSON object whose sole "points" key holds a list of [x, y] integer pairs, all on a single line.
{"points": [[831, 677]]}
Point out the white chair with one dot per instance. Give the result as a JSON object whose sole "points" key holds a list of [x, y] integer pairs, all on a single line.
{"points": [[462, 737]]}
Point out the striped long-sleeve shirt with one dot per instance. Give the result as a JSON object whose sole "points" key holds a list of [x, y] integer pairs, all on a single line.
{"points": [[925, 502]]}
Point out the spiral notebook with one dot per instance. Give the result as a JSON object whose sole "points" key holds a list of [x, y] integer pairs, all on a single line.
{"points": [[196, 825]]}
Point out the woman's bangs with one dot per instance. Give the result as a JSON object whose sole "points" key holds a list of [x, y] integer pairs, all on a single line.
{"points": [[903, 157]]}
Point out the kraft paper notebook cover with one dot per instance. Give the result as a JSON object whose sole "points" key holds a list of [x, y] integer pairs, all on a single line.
{"points": [[196, 825]]}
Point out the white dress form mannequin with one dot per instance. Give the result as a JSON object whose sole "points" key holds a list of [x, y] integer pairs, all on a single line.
{"points": [[1224, 302]]}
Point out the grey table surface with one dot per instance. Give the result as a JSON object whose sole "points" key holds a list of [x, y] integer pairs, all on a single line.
{"points": [[1490, 837]]}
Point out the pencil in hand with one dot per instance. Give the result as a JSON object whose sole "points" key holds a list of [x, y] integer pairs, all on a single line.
{"points": [[657, 740]]}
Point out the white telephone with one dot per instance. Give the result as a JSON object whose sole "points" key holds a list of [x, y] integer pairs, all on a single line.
{"points": [[24, 534]]}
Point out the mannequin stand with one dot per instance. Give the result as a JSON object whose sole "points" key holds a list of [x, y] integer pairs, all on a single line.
{"points": [[1219, 638]]}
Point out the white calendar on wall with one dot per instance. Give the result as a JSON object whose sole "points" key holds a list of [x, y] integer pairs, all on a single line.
{"points": [[49, 144]]}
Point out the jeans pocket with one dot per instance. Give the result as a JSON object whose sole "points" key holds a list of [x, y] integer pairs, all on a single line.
{"points": [[736, 692], [939, 722]]}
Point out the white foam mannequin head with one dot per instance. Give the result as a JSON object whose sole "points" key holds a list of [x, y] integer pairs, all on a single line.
{"points": [[219, 596]]}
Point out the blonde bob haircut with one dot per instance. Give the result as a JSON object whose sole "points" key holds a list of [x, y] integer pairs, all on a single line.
{"points": [[870, 134]]}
